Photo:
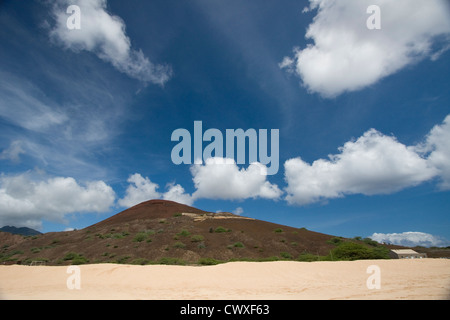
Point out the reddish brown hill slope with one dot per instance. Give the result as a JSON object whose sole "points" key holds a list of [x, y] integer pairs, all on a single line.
{"points": [[166, 231]]}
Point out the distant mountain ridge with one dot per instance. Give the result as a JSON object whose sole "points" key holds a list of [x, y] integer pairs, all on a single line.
{"points": [[24, 231]]}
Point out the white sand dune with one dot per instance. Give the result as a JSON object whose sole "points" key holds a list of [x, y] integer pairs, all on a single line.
{"points": [[399, 279]]}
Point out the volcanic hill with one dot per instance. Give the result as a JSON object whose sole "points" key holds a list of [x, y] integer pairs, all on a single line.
{"points": [[159, 231]]}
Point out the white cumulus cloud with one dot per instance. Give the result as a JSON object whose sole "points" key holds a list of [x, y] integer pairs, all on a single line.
{"points": [[221, 178], [142, 189], [346, 56], [410, 239], [437, 146], [373, 164], [217, 178], [104, 34], [25, 201], [177, 193]]}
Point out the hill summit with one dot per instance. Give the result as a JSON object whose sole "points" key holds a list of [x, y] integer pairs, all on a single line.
{"points": [[151, 209]]}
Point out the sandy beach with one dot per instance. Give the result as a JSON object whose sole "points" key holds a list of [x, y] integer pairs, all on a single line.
{"points": [[398, 279]]}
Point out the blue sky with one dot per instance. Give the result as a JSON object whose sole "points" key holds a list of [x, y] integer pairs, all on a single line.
{"points": [[86, 115]]}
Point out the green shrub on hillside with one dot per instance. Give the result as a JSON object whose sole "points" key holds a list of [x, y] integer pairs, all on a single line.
{"points": [[140, 261], [286, 255], [184, 233], [75, 258], [208, 261], [221, 229], [308, 257], [336, 241], [139, 237], [197, 238], [371, 242], [356, 251], [70, 256], [179, 245], [171, 261], [80, 260], [238, 245]]}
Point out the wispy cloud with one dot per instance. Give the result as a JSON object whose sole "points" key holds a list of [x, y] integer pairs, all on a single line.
{"points": [[58, 134], [13, 152], [26, 106], [59, 111], [248, 36], [104, 34]]}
